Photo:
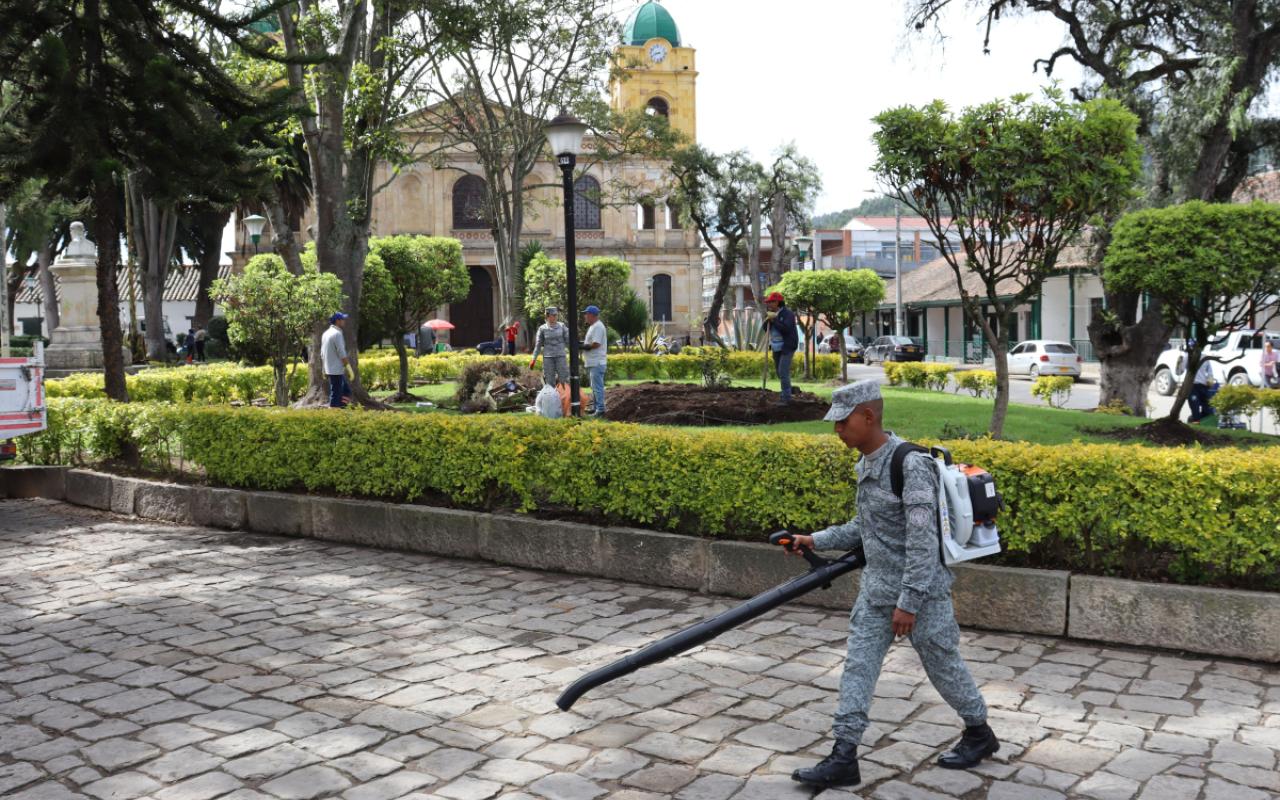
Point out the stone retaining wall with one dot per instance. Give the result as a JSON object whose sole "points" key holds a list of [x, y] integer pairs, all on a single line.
{"points": [[1052, 602]]}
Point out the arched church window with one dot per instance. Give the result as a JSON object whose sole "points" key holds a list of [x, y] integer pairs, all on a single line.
{"points": [[659, 107], [586, 203], [469, 203]]}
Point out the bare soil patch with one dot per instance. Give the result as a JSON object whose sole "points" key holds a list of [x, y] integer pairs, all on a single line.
{"points": [[1166, 432], [657, 403]]}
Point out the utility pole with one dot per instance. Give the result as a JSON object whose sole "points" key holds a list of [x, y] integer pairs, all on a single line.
{"points": [[897, 267]]}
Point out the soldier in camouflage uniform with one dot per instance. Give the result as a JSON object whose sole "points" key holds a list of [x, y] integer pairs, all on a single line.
{"points": [[552, 342], [904, 591]]}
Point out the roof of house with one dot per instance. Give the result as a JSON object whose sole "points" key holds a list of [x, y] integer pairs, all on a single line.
{"points": [[180, 286], [934, 281], [889, 223]]}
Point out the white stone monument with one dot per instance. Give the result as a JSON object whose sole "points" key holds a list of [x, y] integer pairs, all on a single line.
{"points": [[76, 344]]}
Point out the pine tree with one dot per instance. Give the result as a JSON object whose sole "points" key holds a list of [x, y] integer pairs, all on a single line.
{"points": [[104, 88]]}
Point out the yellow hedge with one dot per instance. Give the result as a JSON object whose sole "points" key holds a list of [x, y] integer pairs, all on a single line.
{"points": [[222, 383], [1185, 514]]}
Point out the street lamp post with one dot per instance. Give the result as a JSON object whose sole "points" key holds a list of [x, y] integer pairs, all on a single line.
{"points": [[564, 134], [254, 223]]}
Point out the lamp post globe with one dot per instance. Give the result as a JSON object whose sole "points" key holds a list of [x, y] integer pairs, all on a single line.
{"points": [[564, 136], [254, 223]]}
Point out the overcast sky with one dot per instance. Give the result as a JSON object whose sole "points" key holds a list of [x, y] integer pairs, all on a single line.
{"points": [[834, 64]]}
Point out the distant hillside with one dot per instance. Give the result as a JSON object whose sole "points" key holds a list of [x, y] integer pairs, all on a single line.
{"points": [[871, 207]]}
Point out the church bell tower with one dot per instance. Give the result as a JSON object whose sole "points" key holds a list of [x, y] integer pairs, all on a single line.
{"points": [[657, 73]]}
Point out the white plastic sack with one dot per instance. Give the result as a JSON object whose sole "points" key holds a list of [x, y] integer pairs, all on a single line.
{"points": [[548, 403]]}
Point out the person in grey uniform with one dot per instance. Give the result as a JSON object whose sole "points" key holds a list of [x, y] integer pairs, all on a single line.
{"points": [[552, 341], [905, 590]]}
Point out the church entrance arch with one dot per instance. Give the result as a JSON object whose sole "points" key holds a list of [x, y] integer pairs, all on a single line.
{"points": [[473, 318]]}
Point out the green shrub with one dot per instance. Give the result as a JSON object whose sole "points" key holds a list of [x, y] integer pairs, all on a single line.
{"points": [[978, 382], [1053, 389], [893, 372], [1074, 506], [937, 375], [1245, 400], [913, 374]]}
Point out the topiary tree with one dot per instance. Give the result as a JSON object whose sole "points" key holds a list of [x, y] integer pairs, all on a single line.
{"points": [[601, 281], [1017, 181], [424, 273], [376, 300], [632, 316], [271, 308], [836, 297], [1212, 265]]}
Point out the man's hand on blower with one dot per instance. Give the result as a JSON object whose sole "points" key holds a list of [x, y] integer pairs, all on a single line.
{"points": [[799, 540]]}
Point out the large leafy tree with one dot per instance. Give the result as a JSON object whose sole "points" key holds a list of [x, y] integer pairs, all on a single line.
{"points": [[836, 297], [714, 193], [1212, 265], [354, 70], [1021, 180], [424, 273], [499, 70], [102, 88], [271, 309], [1193, 71]]}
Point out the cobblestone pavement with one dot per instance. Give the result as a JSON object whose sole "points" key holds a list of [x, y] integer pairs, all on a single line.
{"points": [[144, 660]]}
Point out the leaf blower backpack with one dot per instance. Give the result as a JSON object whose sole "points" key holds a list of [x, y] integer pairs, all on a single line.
{"points": [[967, 504]]}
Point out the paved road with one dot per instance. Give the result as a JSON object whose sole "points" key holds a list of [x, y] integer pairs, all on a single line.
{"points": [[144, 660]]}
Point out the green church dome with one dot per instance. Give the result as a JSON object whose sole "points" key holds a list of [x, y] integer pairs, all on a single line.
{"points": [[651, 21]]}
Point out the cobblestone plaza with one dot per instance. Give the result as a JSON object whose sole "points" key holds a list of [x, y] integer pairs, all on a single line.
{"points": [[148, 660]]}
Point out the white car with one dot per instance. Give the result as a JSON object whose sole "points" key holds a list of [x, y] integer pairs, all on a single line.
{"points": [[1036, 357], [1237, 360]]}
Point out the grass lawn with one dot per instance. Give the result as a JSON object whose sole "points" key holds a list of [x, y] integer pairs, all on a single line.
{"points": [[922, 414]]}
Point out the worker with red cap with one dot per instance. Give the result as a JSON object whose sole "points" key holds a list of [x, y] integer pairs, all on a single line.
{"points": [[784, 338]]}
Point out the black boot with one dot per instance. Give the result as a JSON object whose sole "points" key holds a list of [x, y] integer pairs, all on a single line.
{"points": [[978, 742], [838, 769]]}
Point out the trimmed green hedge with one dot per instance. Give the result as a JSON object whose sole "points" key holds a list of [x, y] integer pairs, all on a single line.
{"points": [[1189, 515], [222, 383]]}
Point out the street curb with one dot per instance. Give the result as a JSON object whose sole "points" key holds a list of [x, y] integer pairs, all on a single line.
{"points": [[1218, 622]]}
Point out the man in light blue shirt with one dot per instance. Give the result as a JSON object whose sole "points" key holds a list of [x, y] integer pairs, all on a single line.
{"points": [[595, 357]]}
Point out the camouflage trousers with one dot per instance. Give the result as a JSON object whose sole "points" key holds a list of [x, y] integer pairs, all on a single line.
{"points": [[555, 369], [936, 638]]}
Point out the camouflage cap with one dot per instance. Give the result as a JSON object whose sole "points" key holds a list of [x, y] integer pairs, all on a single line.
{"points": [[845, 399]]}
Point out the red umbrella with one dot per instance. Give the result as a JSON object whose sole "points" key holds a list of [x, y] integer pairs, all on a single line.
{"points": [[440, 325]]}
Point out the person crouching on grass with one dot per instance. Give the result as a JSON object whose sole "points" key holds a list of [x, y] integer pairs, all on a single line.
{"points": [[905, 591]]}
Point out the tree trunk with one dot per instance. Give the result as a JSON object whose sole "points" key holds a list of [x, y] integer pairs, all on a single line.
{"points": [[107, 237], [48, 291], [1188, 381], [209, 227], [155, 229], [281, 376], [999, 338], [844, 356], [1128, 349], [12, 285], [402, 395], [711, 325], [283, 240]]}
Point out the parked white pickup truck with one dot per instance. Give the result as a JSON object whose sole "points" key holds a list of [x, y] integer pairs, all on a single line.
{"points": [[1237, 360], [22, 408]]}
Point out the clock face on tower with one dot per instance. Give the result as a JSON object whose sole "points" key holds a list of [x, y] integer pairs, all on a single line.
{"points": [[657, 53]]}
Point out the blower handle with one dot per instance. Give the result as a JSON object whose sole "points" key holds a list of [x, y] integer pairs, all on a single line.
{"points": [[787, 540]]}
